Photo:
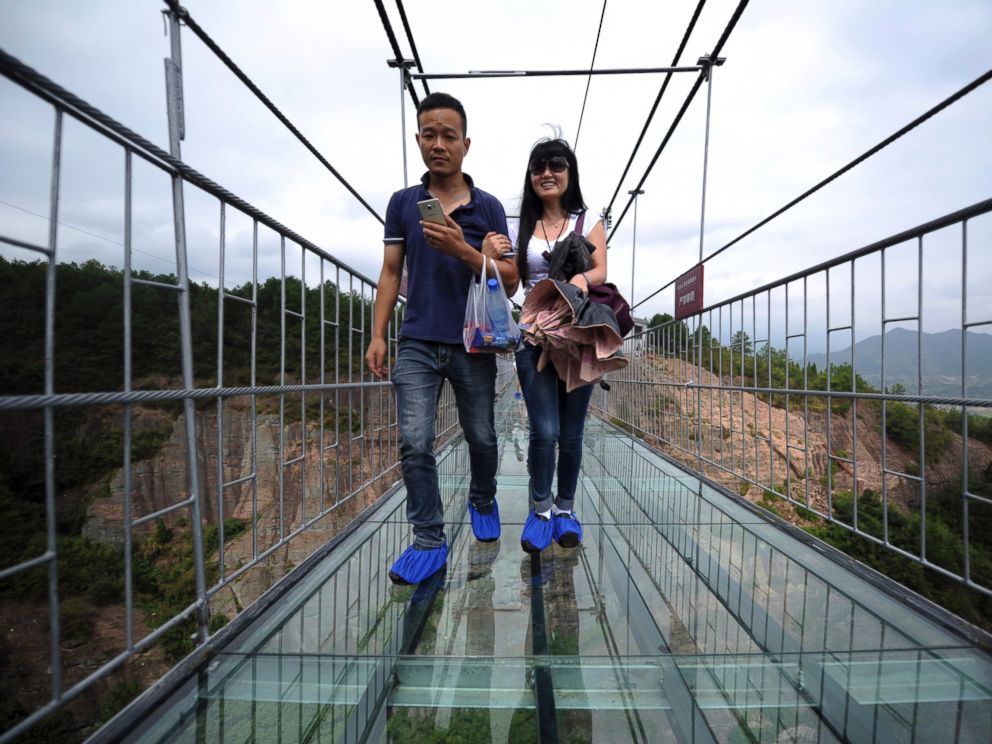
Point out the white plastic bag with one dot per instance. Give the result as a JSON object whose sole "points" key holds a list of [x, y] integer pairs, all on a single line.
{"points": [[489, 324]]}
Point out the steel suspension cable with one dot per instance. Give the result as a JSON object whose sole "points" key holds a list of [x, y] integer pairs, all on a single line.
{"points": [[388, 28], [657, 100], [692, 93], [592, 64], [671, 130], [413, 45], [974, 84], [238, 73], [982, 79], [30, 79]]}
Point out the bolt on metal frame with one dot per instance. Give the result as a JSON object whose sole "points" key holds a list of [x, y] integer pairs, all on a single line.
{"points": [[660, 396]]}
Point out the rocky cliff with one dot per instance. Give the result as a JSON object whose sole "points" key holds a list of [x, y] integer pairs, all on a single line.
{"points": [[296, 477], [744, 435]]}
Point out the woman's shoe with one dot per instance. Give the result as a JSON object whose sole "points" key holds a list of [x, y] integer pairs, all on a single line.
{"points": [[536, 535], [485, 521], [567, 529]]}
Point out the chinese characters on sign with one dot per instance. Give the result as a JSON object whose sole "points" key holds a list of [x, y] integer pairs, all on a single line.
{"points": [[689, 293]]}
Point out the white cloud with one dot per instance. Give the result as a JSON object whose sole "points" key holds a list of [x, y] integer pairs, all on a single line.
{"points": [[806, 87]]}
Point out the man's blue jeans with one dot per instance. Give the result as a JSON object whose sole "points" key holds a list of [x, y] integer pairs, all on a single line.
{"points": [[557, 419], [420, 370]]}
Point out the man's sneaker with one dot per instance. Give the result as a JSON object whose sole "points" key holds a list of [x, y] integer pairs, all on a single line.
{"points": [[485, 521], [537, 533], [415, 565], [567, 529]]}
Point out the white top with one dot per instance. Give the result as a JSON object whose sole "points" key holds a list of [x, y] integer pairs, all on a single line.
{"points": [[537, 263]]}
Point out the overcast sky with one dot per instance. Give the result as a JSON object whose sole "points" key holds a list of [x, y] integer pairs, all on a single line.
{"points": [[807, 86]]}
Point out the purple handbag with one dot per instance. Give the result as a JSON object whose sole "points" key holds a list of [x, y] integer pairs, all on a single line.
{"points": [[608, 294]]}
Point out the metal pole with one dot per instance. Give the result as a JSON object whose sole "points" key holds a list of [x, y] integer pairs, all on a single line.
{"points": [[406, 178], [174, 96], [403, 65], [551, 73], [707, 63], [128, 408], [633, 253], [51, 498]]}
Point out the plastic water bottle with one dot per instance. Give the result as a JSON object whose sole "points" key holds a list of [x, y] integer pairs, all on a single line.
{"points": [[496, 310], [501, 333]]}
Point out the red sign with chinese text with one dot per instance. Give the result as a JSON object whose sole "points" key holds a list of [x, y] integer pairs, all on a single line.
{"points": [[689, 292]]}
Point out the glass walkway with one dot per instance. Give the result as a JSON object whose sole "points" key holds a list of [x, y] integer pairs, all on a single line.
{"points": [[685, 616]]}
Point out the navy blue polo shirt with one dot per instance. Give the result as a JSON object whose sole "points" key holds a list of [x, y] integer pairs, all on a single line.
{"points": [[437, 284]]}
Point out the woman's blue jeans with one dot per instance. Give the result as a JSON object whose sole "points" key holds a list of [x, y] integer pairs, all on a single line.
{"points": [[419, 372], [557, 419]]}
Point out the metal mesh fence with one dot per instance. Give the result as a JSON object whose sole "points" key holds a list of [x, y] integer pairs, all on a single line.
{"points": [[853, 394]]}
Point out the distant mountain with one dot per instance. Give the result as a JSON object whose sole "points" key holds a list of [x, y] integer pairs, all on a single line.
{"points": [[940, 357]]}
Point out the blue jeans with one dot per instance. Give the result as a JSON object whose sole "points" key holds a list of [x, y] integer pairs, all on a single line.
{"points": [[557, 419], [420, 370]]}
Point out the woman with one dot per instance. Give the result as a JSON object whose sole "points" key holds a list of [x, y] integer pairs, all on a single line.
{"points": [[550, 208]]}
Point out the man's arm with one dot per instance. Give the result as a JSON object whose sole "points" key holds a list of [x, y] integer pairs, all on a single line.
{"points": [[496, 247], [450, 240], [385, 302]]}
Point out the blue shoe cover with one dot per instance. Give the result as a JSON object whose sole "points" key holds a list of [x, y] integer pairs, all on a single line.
{"points": [[537, 533], [567, 529], [414, 565], [485, 526]]}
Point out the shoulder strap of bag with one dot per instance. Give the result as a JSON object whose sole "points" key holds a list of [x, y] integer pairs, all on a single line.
{"points": [[579, 222]]}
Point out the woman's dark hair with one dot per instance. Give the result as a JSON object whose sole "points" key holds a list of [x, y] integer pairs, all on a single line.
{"points": [[531, 206]]}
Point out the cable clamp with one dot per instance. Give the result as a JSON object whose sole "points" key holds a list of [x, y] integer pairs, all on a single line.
{"points": [[707, 62]]}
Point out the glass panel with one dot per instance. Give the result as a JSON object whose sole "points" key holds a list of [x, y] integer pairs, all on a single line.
{"points": [[682, 617]]}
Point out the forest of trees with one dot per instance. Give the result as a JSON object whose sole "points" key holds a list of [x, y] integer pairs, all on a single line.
{"points": [[89, 330], [88, 441]]}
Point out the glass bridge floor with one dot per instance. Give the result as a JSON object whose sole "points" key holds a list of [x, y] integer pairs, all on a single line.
{"points": [[685, 616]]}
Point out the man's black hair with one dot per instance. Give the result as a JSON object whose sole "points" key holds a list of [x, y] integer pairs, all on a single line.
{"points": [[443, 101]]}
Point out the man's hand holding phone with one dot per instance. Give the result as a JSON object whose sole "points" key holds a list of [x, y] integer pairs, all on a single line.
{"points": [[447, 238]]}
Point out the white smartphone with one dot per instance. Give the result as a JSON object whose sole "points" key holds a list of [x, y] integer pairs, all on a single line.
{"points": [[430, 210]]}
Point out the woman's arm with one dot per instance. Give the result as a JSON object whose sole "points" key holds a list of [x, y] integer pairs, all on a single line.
{"points": [[597, 274]]}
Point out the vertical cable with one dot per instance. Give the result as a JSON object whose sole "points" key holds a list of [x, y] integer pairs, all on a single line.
{"points": [[657, 100], [592, 65], [413, 45], [394, 45]]}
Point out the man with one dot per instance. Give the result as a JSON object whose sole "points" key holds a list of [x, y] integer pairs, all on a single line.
{"points": [[441, 261]]}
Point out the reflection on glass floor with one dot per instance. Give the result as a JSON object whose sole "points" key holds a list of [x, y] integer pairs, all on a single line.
{"points": [[684, 617]]}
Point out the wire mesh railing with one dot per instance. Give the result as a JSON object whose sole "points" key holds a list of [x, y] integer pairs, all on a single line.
{"points": [[231, 416], [854, 394]]}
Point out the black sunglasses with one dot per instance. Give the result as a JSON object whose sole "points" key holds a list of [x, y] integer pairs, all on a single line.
{"points": [[558, 164]]}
